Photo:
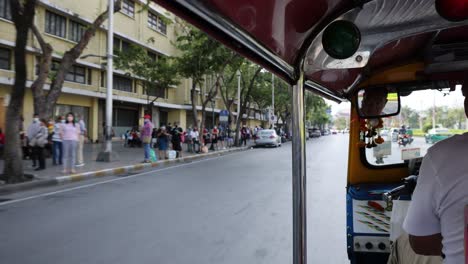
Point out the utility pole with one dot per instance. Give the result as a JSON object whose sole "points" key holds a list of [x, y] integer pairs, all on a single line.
{"points": [[238, 93], [272, 97], [107, 154], [433, 110]]}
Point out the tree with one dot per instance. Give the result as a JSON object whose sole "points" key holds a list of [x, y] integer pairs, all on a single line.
{"points": [[45, 101], [154, 75], [201, 56], [229, 83], [409, 116], [316, 110], [23, 16], [340, 123], [283, 103]]}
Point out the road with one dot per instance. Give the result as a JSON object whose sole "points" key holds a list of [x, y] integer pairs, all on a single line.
{"points": [[232, 209]]}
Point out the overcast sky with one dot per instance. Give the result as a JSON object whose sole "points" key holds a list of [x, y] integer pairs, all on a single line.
{"points": [[419, 100]]}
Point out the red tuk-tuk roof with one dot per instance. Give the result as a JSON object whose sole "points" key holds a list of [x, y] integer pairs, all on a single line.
{"points": [[285, 35]]}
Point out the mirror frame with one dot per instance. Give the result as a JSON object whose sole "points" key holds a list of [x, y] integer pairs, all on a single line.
{"points": [[356, 102]]}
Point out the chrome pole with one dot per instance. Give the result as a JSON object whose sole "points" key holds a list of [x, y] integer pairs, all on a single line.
{"points": [[299, 174]]}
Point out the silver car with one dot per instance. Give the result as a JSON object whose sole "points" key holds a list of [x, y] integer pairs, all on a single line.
{"points": [[268, 137]]}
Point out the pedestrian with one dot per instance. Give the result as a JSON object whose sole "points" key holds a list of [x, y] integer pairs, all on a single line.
{"points": [[244, 135], [2, 142], [57, 151], [195, 135], [154, 138], [189, 140], [81, 141], [146, 131], [31, 134], [222, 136], [176, 139], [40, 140], [69, 133], [214, 138], [163, 142], [205, 136]]}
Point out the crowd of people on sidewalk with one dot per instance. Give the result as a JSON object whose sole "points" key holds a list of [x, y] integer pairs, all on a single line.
{"points": [[169, 141], [61, 138]]}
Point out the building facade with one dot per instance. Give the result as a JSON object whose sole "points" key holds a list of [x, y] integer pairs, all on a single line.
{"points": [[62, 23]]}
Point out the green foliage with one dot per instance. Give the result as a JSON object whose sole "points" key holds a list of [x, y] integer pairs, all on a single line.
{"points": [[316, 110], [340, 123], [200, 55], [156, 74], [409, 116]]}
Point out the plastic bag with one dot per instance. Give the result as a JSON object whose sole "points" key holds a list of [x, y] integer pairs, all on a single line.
{"points": [[153, 157]]}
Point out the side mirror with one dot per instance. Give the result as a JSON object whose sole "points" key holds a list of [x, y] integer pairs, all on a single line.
{"points": [[376, 102]]}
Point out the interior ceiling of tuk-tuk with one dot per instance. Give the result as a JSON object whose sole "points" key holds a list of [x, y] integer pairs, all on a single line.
{"points": [[285, 35]]}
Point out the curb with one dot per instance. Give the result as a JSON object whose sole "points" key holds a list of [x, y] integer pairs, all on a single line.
{"points": [[108, 172]]}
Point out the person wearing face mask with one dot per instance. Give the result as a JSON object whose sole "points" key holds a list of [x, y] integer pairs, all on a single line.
{"points": [[69, 133], [57, 142], [146, 132], [31, 134], [41, 142]]}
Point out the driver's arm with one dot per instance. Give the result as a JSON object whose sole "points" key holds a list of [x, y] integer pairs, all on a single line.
{"points": [[422, 222]]}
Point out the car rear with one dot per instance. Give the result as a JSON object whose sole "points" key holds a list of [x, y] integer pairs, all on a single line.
{"points": [[267, 138]]}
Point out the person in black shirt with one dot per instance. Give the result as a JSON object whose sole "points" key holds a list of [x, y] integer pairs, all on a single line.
{"points": [[176, 133]]}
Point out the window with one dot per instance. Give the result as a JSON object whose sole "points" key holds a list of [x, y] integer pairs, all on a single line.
{"points": [[76, 31], [153, 56], [76, 74], [5, 9], [162, 27], [61, 110], [90, 75], [5, 58], [121, 45], [152, 21], [155, 22], [157, 92], [128, 8], [56, 24], [122, 83], [125, 117], [417, 136]]}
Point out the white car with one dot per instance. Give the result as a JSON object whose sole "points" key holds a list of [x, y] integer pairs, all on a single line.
{"points": [[268, 137]]}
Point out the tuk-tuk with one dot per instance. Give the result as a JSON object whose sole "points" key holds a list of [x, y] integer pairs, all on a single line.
{"points": [[372, 53]]}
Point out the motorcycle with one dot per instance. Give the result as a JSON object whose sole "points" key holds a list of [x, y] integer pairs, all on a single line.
{"points": [[404, 139]]}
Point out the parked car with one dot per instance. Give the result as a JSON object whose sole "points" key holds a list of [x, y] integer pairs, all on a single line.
{"points": [[326, 132], [437, 134], [268, 137], [315, 132]]}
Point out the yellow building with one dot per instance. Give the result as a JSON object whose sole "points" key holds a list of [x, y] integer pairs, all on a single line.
{"points": [[62, 23]]}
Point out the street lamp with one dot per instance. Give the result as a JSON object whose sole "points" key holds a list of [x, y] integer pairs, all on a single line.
{"points": [[107, 155]]}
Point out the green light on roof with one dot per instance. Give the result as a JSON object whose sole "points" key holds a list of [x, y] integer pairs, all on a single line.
{"points": [[341, 39]]}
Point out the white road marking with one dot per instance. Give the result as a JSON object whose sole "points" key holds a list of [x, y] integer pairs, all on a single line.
{"points": [[107, 181]]}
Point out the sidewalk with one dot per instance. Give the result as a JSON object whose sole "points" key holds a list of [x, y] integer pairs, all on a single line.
{"points": [[127, 156], [130, 160]]}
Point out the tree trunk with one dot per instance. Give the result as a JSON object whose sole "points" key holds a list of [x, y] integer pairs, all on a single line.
{"points": [[23, 16], [194, 106], [45, 110]]}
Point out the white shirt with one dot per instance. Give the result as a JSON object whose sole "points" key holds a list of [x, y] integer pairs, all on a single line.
{"points": [[440, 197], [194, 134]]}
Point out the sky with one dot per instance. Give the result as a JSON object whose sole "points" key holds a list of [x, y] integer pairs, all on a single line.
{"points": [[420, 100]]}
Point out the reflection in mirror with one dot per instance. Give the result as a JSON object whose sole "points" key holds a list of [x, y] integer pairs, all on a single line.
{"points": [[378, 102]]}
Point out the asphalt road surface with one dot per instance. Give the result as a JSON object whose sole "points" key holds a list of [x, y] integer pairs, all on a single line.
{"points": [[233, 209]]}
